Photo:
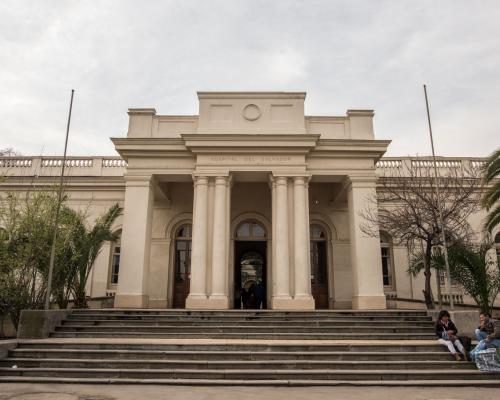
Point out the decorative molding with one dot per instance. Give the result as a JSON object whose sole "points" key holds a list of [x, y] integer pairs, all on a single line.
{"points": [[251, 112]]}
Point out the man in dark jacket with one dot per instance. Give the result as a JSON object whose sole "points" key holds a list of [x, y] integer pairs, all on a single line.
{"points": [[492, 340], [485, 327]]}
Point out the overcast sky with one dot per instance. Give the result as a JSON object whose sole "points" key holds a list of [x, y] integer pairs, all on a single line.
{"points": [[344, 54]]}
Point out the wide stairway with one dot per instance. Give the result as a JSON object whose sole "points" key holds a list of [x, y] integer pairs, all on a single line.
{"points": [[391, 347]]}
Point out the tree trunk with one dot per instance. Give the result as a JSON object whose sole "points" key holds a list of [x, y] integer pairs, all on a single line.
{"points": [[429, 300]]}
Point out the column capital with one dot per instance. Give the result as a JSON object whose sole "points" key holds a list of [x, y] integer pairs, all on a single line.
{"points": [[139, 180], [223, 180], [279, 180], [361, 181], [200, 180], [301, 180]]}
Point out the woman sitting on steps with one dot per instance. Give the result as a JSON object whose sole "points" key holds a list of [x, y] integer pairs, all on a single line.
{"points": [[446, 331]]}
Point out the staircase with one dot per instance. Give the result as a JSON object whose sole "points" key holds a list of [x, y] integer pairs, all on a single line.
{"points": [[242, 347]]}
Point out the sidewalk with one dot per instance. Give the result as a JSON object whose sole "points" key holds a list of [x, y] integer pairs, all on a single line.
{"points": [[153, 392]]}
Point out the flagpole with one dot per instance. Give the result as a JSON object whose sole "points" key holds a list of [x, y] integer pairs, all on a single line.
{"points": [[440, 208], [58, 209]]}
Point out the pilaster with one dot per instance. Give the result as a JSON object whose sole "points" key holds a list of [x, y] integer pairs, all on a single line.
{"points": [[368, 289], [135, 243]]}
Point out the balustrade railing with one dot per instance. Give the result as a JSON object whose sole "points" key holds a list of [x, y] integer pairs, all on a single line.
{"points": [[51, 166], [71, 162], [391, 165]]}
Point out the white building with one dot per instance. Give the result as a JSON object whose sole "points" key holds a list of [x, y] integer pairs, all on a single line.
{"points": [[249, 191]]}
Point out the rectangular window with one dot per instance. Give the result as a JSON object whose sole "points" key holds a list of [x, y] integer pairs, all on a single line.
{"points": [[115, 265], [386, 266]]}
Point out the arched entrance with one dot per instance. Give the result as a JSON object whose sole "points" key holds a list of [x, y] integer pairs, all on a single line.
{"points": [[250, 281], [319, 266], [182, 263]]}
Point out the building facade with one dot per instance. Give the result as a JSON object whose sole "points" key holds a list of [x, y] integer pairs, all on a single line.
{"points": [[250, 203]]}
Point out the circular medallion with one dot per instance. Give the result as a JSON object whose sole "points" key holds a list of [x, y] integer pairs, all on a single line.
{"points": [[251, 112]]}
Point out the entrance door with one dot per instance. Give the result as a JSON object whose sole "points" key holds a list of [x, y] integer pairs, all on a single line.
{"points": [[182, 266], [319, 274], [250, 283]]}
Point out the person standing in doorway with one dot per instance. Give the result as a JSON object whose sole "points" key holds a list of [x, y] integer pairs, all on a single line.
{"points": [[259, 295]]}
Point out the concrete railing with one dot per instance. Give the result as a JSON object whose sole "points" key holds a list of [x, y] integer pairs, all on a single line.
{"points": [[113, 166], [402, 165], [51, 166]]}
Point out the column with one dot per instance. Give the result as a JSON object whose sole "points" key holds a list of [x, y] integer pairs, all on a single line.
{"points": [[198, 286], [281, 258], [368, 288], [219, 297], [135, 243], [302, 297]]}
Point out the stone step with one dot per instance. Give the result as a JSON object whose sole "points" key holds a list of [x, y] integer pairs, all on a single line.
{"points": [[159, 322], [240, 346], [254, 313], [230, 355], [259, 374], [261, 382], [202, 329], [233, 364], [242, 335], [262, 320]]}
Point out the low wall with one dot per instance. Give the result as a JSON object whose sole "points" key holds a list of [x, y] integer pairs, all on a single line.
{"points": [[37, 324], [101, 302], [7, 329], [5, 346], [466, 321]]}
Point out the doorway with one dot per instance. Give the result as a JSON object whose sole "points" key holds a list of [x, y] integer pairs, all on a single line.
{"points": [[250, 277], [319, 266], [182, 266]]}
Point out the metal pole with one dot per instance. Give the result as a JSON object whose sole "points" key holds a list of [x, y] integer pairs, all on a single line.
{"points": [[58, 209], [440, 211]]}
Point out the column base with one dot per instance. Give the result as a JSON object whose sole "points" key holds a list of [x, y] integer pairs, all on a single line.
{"points": [[131, 301], [289, 303], [196, 301], [218, 302], [157, 303], [369, 303], [305, 302]]}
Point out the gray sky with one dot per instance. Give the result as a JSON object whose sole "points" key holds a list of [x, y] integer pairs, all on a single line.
{"points": [[344, 54]]}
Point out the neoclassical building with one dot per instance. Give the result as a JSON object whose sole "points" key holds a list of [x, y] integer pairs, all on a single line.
{"points": [[248, 198]]}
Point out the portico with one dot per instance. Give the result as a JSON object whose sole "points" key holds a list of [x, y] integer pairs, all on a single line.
{"points": [[249, 158]]}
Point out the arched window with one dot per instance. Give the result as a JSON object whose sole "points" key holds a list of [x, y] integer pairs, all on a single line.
{"points": [[386, 253], [319, 262], [250, 230], [114, 268], [182, 269]]}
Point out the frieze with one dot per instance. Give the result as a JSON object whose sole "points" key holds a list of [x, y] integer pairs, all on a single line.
{"points": [[259, 160]]}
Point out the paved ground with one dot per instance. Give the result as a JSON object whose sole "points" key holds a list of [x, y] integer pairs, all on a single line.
{"points": [[110, 392]]}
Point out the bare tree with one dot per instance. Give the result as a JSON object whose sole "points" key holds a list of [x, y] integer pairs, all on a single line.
{"points": [[408, 209], [9, 152]]}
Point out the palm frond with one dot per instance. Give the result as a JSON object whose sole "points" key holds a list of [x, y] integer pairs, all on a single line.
{"points": [[491, 196], [492, 219], [492, 167]]}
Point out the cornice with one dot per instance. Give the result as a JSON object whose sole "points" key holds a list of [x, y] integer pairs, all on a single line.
{"points": [[350, 148], [250, 142], [150, 147], [251, 95]]}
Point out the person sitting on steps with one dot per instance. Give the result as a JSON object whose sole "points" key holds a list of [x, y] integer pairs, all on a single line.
{"points": [[446, 331], [492, 340], [485, 327]]}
